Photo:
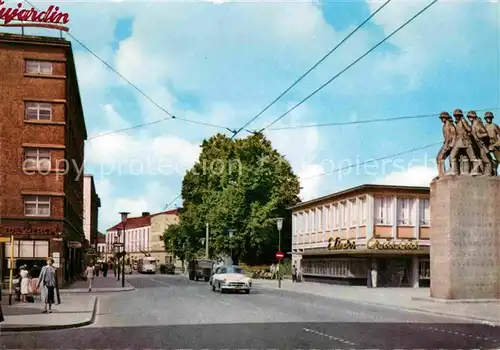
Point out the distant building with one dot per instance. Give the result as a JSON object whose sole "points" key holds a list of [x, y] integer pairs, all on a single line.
{"points": [[91, 205], [159, 223], [136, 239], [345, 236], [143, 235], [101, 246], [42, 133]]}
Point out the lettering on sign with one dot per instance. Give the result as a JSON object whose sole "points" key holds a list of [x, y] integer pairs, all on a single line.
{"points": [[389, 244], [28, 230], [18, 16], [339, 244]]}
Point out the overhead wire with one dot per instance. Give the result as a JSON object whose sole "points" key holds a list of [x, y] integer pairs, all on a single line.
{"points": [[366, 121], [338, 74], [135, 87], [349, 66], [374, 160], [310, 69]]}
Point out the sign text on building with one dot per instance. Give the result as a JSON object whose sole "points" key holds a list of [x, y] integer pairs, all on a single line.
{"points": [[18, 16], [339, 244], [28, 230], [389, 244]]}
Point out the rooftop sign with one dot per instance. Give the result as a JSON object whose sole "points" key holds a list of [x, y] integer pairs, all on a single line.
{"points": [[18, 16]]}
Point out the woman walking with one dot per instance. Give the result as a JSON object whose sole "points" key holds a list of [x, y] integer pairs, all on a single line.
{"points": [[89, 273], [25, 284], [48, 283]]}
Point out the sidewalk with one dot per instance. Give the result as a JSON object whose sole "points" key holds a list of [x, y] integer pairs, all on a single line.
{"points": [[398, 298], [99, 285], [74, 311]]}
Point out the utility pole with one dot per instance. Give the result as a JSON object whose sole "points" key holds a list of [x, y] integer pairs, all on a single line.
{"points": [[206, 243]]}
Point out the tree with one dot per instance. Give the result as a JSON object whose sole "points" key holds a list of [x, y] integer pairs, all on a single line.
{"points": [[242, 185]]}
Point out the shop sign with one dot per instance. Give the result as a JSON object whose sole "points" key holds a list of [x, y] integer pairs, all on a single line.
{"points": [[28, 230], [339, 244], [389, 244], [18, 16]]}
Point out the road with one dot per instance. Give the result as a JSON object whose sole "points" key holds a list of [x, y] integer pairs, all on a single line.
{"points": [[171, 312]]}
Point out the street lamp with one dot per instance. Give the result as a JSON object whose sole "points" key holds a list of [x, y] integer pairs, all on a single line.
{"points": [[279, 225], [231, 232], [117, 248], [124, 216]]}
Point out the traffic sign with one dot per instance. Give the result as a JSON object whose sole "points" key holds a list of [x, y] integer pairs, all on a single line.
{"points": [[280, 255]]}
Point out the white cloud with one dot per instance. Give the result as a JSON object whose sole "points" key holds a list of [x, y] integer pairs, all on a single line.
{"points": [[414, 176], [152, 198], [310, 182]]}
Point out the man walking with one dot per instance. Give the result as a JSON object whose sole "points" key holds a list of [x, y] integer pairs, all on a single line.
{"points": [[294, 273], [89, 273]]}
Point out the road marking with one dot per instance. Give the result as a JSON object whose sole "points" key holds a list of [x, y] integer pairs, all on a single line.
{"points": [[330, 336], [201, 296], [160, 282], [223, 302], [465, 335]]}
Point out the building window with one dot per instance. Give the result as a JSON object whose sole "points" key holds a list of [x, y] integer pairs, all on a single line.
{"points": [[425, 215], [37, 206], [28, 249], [383, 211], [37, 158], [424, 269], [363, 212], [345, 215], [354, 213], [319, 219], [406, 212], [324, 218], [311, 221], [38, 67], [38, 111]]}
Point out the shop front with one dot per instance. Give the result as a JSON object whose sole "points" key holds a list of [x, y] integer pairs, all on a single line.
{"points": [[373, 263], [34, 242]]}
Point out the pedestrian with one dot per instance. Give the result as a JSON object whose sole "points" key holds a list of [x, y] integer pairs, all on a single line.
{"points": [[89, 273], [25, 284], [294, 273], [105, 268], [48, 284], [96, 270], [1, 313]]}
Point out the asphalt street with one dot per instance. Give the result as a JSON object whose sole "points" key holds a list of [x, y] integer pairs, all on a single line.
{"points": [[171, 312]]}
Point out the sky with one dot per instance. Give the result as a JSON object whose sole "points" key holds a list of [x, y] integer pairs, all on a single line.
{"points": [[222, 62]]}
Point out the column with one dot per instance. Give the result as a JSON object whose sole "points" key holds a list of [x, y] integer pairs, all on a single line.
{"points": [[370, 220], [415, 275], [394, 214], [416, 232]]}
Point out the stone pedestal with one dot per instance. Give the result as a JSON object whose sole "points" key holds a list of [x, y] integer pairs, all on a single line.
{"points": [[465, 238]]}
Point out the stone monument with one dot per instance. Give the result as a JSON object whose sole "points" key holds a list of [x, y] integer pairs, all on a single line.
{"points": [[465, 210]]}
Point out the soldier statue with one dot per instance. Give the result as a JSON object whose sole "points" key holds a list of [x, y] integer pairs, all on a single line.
{"points": [[493, 131], [449, 135], [463, 145], [481, 139]]}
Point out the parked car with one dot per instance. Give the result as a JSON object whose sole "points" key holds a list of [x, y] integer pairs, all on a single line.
{"points": [[230, 278]]}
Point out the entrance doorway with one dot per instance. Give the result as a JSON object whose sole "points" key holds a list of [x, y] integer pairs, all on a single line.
{"points": [[395, 272]]}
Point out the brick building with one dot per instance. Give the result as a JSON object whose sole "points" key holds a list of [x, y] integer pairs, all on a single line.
{"points": [[42, 134], [91, 205]]}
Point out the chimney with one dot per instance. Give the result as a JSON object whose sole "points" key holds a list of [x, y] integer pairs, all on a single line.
{"points": [[145, 213]]}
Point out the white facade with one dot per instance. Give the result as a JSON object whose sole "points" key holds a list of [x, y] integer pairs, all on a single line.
{"points": [[136, 240], [87, 204]]}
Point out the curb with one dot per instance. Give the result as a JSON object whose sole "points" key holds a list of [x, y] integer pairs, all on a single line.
{"points": [[97, 290], [489, 322], [37, 328]]}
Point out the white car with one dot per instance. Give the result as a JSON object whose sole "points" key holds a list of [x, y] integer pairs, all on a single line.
{"points": [[230, 278]]}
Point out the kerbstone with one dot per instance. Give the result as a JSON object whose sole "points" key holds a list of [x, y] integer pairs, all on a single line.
{"points": [[465, 238]]}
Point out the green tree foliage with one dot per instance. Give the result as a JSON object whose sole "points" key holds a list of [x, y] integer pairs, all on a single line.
{"points": [[242, 185]]}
